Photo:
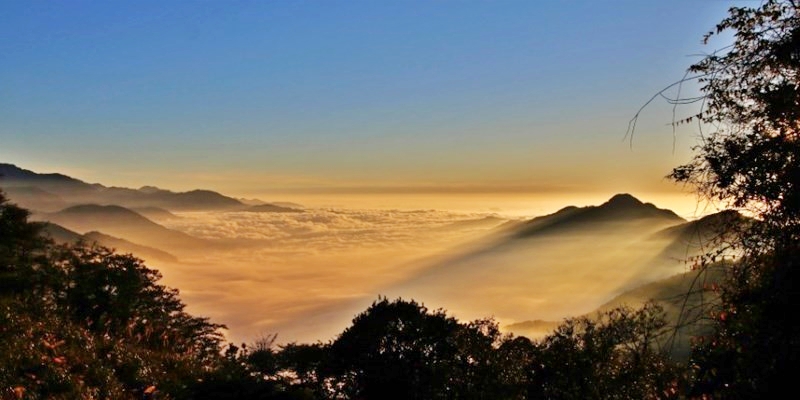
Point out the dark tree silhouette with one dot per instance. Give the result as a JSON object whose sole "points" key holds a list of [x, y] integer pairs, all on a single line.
{"points": [[401, 350], [83, 322], [752, 104], [748, 158], [616, 355]]}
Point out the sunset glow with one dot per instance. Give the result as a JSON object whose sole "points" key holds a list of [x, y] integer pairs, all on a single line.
{"points": [[407, 132]]}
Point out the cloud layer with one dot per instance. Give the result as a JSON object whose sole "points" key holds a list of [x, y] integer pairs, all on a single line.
{"points": [[295, 273]]}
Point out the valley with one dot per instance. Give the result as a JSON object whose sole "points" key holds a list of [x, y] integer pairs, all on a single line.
{"points": [[303, 272]]}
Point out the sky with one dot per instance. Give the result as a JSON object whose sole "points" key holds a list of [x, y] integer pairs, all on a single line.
{"points": [[323, 98]]}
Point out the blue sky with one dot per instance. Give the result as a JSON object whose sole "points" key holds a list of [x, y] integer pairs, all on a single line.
{"points": [[247, 96]]}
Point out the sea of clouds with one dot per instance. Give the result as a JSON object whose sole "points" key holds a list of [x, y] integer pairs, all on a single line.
{"points": [[304, 275]]}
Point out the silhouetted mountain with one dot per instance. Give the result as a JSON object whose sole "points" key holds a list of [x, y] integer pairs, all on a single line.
{"points": [[10, 172], [251, 202], [74, 191], [288, 204], [122, 222], [674, 293], [271, 208], [193, 200], [684, 298], [511, 225], [33, 198], [257, 202], [620, 209], [155, 213], [700, 236], [150, 189], [553, 266], [61, 235], [485, 223], [123, 246]]}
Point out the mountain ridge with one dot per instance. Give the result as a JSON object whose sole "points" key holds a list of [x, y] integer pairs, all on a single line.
{"points": [[121, 222], [621, 207], [62, 235], [75, 191]]}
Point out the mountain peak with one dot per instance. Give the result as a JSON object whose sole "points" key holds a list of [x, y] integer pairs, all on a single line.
{"points": [[150, 189], [623, 200], [621, 207], [625, 205]]}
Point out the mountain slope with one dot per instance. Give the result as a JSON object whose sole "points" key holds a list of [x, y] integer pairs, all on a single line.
{"points": [[62, 235], [685, 298], [271, 208], [590, 253], [701, 236], [10, 172], [155, 213], [74, 191], [122, 222], [620, 209], [34, 198], [121, 245], [59, 234], [679, 294]]}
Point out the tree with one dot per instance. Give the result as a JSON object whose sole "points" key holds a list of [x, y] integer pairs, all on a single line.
{"points": [[751, 99], [750, 159], [81, 321], [22, 248], [401, 350], [616, 355]]}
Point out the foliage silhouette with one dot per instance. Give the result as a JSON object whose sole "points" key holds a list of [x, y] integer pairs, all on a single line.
{"points": [[749, 120], [617, 355], [83, 322], [401, 350]]}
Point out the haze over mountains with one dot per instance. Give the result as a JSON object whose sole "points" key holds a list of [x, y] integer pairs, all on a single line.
{"points": [[554, 264], [52, 192], [122, 222], [59, 234], [309, 270]]}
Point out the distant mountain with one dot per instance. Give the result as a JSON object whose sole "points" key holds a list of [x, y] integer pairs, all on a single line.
{"points": [[34, 198], [590, 253], [288, 204], [271, 208], [155, 213], [674, 293], [122, 222], [10, 172], [680, 295], [191, 200], [150, 189], [73, 191], [685, 298], [702, 235], [285, 204], [485, 223], [620, 209], [251, 202], [59, 234], [124, 246]]}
